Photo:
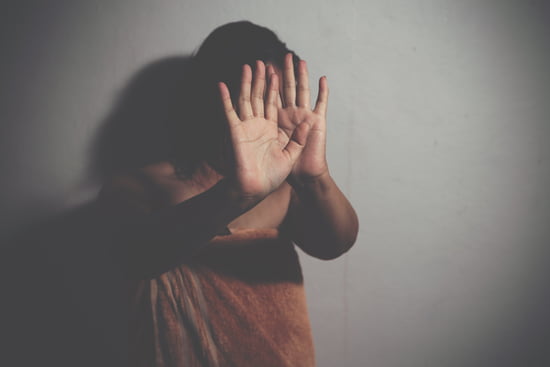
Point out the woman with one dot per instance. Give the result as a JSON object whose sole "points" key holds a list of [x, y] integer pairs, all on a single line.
{"points": [[209, 234]]}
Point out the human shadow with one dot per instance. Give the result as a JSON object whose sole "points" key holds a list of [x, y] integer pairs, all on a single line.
{"points": [[139, 129], [64, 291]]}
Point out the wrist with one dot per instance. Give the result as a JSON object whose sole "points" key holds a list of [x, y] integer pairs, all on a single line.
{"points": [[318, 182], [244, 201]]}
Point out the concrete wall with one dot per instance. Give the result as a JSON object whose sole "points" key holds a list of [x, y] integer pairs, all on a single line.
{"points": [[439, 121]]}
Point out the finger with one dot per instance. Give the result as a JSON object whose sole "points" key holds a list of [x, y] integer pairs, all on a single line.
{"points": [[322, 97], [272, 97], [245, 108], [289, 82], [258, 85], [271, 71], [303, 96], [297, 141], [230, 112]]}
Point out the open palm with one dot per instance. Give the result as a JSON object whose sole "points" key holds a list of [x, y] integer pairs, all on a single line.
{"points": [[294, 109], [264, 153]]}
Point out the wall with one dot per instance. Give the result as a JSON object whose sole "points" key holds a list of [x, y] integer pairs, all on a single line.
{"points": [[438, 133]]}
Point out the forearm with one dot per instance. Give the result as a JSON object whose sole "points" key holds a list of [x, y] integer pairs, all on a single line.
{"points": [[153, 242], [324, 224]]}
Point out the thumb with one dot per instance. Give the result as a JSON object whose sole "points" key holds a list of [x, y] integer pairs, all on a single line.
{"points": [[297, 141]]}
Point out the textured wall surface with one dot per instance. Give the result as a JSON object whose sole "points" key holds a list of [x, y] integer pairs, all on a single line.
{"points": [[439, 121]]}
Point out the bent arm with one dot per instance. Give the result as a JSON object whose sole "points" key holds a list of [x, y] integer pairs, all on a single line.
{"points": [[263, 156], [321, 220]]}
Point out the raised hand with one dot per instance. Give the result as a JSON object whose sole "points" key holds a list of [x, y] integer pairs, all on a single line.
{"points": [[264, 153], [294, 109]]}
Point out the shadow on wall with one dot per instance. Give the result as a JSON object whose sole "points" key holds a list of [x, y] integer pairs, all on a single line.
{"points": [[138, 130], [64, 295]]}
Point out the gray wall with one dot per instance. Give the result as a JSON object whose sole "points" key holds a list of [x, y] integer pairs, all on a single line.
{"points": [[439, 121]]}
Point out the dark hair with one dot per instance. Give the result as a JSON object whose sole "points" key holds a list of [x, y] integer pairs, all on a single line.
{"points": [[219, 59]]}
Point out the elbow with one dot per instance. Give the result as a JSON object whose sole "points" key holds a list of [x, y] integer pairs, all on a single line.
{"points": [[331, 254], [339, 245], [340, 248], [330, 248], [328, 255], [330, 244]]}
